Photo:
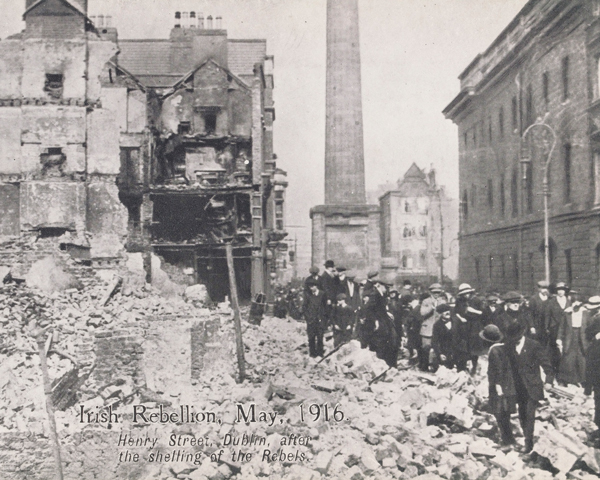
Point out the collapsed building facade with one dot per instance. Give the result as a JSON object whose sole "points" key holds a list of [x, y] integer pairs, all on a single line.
{"points": [[156, 146]]}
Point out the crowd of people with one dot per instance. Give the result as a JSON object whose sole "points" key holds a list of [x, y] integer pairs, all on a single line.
{"points": [[556, 332]]}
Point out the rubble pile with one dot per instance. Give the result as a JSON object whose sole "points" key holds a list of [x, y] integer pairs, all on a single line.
{"points": [[346, 416]]}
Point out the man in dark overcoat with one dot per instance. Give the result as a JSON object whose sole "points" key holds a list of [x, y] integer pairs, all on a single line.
{"points": [[538, 304], [526, 356], [555, 316]]}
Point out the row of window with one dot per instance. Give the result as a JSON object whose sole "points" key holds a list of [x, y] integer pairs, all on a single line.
{"points": [[478, 135], [527, 188], [505, 269], [410, 231]]}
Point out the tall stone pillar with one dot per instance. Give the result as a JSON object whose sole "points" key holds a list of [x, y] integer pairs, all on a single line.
{"points": [[343, 227], [344, 152]]}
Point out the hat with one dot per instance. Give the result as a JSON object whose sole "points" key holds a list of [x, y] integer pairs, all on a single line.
{"points": [[341, 296], [514, 331], [372, 274], [543, 284], [406, 283], [350, 275], [465, 288], [593, 302], [492, 334], [314, 270], [406, 299], [341, 269], [394, 290], [435, 287], [492, 297], [329, 264], [444, 307], [562, 286], [310, 282], [512, 297]]}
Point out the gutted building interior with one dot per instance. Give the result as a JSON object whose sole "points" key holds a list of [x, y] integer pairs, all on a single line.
{"points": [[159, 146]]}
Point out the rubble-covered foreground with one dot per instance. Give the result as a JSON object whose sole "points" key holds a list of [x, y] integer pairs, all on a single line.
{"points": [[292, 418]]}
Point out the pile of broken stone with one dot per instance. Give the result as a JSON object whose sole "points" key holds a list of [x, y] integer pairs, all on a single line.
{"points": [[374, 422]]}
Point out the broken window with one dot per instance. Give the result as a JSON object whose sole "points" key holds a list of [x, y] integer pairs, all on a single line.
{"points": [[185, 128], [54, 85], [52, 161], [210, 122]]}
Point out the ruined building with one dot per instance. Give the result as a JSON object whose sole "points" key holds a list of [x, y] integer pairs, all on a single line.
{"points": [[162, 147], [419, 228], [543, 68]]}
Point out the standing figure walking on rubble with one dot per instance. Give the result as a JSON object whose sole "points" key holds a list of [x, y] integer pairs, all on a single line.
{"points": [[501, 385], [555, 316], [441, 341], [412, 325], [572, 343], [314, 313], [343, 321], [330, 285], [537, 309], [592, 358], [468, 312], [526, 356], [429, 317]]}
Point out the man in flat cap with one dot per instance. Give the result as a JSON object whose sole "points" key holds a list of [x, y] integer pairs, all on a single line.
{"points": [[538, 304]]}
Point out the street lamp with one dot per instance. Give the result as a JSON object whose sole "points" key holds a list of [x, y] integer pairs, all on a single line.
{"points": [[525, 163]]}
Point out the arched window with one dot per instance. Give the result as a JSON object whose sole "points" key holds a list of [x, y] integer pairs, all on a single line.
{"points": [[407, 206]]}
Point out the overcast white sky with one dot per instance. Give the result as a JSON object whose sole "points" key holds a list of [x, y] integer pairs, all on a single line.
{"points": [[412, 52]]}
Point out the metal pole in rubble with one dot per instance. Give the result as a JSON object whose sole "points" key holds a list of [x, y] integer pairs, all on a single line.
{"points": [[236, 313], [50, 405]]}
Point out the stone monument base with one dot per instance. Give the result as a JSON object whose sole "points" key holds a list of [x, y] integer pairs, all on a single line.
{"points": [[348, 235]]}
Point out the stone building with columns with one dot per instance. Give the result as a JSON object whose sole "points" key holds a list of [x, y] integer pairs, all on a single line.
{"points": [[158, 146], [543, 68]]}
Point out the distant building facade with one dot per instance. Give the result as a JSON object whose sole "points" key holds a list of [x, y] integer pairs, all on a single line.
{"points": [[543, 67], [419, 227], [161, 146]]}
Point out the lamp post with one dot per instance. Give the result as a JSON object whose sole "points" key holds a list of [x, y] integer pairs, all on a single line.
{"points": [[525, 164]]}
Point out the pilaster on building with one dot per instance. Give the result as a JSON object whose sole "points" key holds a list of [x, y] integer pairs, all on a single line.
{"points": [[156, 146]]}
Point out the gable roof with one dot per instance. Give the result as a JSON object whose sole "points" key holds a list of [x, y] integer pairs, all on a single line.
{"points": [[194, 70], [149, 60], [66, 2], [414, 173]]}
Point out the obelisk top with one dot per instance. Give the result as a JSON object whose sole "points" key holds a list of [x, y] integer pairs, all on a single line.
{"points": [[344, 152]]}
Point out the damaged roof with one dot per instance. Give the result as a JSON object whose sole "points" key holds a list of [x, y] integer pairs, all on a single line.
{"points": [[65, 2], [150, 60]]}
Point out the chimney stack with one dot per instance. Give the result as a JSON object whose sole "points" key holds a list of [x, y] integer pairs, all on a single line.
{"points": [[200, 20], [209, 24], [177, 20], [193, 23], [218, 23], [185, 19], [108, 21]]}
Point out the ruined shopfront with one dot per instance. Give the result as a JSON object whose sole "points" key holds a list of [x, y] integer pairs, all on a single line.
{"points": [[153, 146]]}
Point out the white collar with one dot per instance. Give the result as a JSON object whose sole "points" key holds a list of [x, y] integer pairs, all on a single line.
{"points": [[519, 346]]}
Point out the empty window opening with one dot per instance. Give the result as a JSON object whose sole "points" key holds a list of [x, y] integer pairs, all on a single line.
{"points": [[52, 232], [184, 128], [52, 161], [210, 122], [54, 85]]}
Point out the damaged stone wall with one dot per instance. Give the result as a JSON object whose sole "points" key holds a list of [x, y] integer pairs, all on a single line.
{"points": [[63, 117]]}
